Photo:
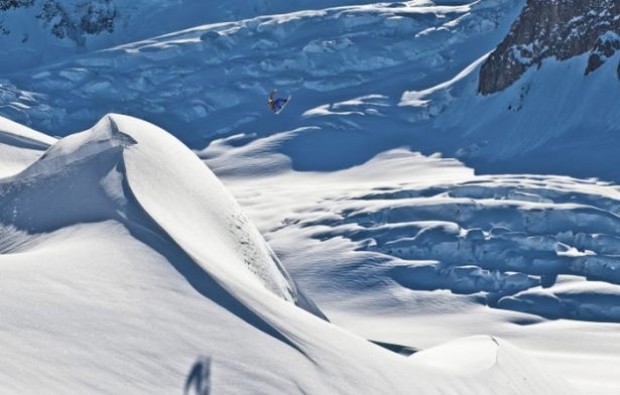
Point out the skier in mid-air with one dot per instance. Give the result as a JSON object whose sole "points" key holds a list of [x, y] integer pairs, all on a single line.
{"points": [[277, 105]]}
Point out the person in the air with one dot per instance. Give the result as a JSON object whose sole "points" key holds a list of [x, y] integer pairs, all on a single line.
{"points": [[276, 104]]}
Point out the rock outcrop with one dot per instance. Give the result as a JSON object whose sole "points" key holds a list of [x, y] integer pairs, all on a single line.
{"points": [[553, 28]]}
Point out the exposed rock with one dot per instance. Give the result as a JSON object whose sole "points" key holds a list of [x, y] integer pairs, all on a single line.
{"points": [[6, 5], [81, 19], [604, 49], [9, 4], [553, 28], [73, 19]]}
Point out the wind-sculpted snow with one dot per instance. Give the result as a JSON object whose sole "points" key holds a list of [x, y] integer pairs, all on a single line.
{"points": [[238, 243], [121, 252], [204, 204], [417, 250], [504, 239]]}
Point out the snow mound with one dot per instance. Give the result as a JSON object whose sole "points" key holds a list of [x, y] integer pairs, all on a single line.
{"points": [[160, 172], [494, 358], [200, 205]]}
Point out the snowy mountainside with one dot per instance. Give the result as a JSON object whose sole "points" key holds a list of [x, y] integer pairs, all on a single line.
{"points": [[409, 69], [95, 269], [540, 124], [338, 187], [219, 75], [33, 32]]}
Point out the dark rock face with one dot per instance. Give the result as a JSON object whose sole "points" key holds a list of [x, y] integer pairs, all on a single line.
{"points": [[6, 5], [604, 49], [559, 28], [84, 18], [9, 4], [71, 19]]}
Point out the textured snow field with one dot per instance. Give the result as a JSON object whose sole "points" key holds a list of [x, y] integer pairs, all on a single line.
{"points": [[124, 260], [417, 251], [408, 69]]}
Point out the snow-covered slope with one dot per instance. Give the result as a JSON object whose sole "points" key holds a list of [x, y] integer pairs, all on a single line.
{"points": [[123, 254], [398, 246], [214, 79], [200, 205], [417, 250], [552, 120], [33, 32], [408, 69]]}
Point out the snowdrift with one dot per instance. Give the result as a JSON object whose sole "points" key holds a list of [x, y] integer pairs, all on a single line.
{"points": [[123, 256], [236, 241]]}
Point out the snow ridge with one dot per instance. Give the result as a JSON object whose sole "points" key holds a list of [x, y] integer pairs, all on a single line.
{"points": [[107, 142]]}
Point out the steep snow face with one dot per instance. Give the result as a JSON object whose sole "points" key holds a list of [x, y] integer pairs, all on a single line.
{"points": [[96, 268], [541, 123], [207, 223]]}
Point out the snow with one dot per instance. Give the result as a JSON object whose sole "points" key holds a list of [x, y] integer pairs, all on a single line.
{"points": [[227, 69], [19, 146], [126, 291], [210, 81], [417, 250], [391, 202]]}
